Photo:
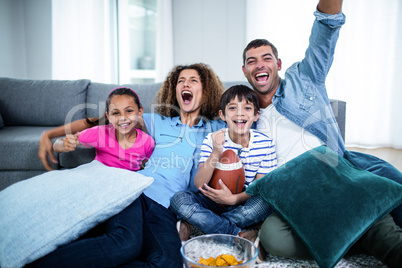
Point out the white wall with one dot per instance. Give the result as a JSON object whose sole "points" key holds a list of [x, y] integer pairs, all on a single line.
{"points": [[25, 47], [212, 32], [12, 45]]}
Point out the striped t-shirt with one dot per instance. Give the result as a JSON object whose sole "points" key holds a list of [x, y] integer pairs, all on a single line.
{"points": [[258, 158]]}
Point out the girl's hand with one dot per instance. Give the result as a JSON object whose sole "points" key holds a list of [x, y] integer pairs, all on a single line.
{"points": [[70, 142], [223, 196]]}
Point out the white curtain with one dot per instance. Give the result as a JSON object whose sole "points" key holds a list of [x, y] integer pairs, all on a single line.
{"points": [[164, 40], [84, 41], [367, 70]]}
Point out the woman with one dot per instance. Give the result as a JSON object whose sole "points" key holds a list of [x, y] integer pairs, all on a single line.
{"points": [[145, 232]]}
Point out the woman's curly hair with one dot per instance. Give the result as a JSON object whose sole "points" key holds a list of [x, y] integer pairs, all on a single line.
{"points": [[212, 90]]}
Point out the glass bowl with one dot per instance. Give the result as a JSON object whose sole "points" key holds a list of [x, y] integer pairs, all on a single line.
{"points": [[213, 245]]}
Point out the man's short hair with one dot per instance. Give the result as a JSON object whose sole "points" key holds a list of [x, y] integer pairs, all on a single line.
{"points": [[258, 43]]}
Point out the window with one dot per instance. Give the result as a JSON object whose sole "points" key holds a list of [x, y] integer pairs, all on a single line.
{"points": [[137, 33]]}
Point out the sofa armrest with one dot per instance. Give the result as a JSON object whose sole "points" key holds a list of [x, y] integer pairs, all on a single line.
{"points": [[339, 109]]}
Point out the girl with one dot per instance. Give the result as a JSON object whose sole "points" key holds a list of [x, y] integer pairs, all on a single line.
{"points": [[118, 143]]}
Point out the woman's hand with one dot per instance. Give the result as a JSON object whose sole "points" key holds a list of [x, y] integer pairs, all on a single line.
{"points": [[223, 196], [45, 150], [45, 144]]}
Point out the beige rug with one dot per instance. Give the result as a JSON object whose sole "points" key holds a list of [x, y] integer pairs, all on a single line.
{"points": [[354, 261]]}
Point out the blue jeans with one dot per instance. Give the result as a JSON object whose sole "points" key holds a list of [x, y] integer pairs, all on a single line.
{"points": [[381, 168], [142, 235], [210, 217]]}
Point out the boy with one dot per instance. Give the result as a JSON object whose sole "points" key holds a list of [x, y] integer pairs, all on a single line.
{"points": [[220, 211]]}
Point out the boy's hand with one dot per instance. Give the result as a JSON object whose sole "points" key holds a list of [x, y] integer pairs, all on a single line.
{"points": [[223, 196], [70, 142], [218, 139]]}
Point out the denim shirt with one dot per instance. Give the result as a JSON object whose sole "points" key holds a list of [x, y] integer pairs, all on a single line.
{"points": [[302, 95]]}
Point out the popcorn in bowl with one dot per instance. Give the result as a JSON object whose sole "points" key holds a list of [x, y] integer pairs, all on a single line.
{"points": [[239, 251]]}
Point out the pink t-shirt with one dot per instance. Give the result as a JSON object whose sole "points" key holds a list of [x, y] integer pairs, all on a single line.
{"points": [[109, 152]]}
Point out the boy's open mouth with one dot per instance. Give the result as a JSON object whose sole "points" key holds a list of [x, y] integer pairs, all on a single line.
{"points": [[187, 96], [240, 122]]}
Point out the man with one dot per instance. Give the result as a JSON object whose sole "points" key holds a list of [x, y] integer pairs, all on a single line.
{"points": [[296, 113]]}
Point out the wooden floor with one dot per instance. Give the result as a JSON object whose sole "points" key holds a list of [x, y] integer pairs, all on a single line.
{"points": [[393, 156]]}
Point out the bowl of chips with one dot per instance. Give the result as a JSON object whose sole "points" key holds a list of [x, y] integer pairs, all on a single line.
{"points": [[217, 250]]}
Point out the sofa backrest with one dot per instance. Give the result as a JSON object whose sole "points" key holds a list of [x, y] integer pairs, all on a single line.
{"points": [[26, 102], [97, 93]]}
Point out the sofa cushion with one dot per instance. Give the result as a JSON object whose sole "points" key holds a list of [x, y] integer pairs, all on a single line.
{"points": [[19, 148], [96, 98], [39, 214], [327, 201], [147, 93], [26, 102], [81, 155], [228, 84]]}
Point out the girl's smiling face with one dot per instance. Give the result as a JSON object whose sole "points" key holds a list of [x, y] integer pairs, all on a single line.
{"points": [[189, 91], [123, 114]]}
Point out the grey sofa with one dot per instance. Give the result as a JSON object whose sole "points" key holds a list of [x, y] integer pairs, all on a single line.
{"points": [[29, 107]]}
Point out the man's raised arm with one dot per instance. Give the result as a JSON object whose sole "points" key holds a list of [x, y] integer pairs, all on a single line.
{"points": [[330, 6]]}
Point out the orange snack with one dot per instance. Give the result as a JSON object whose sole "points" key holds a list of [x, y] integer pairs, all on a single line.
{"points": [[221, 260]]}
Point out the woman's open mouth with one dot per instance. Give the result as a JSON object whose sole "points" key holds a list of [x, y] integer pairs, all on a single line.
{"points": [[187, 96]]}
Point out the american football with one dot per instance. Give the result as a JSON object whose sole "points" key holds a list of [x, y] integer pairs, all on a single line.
{"points": [[230, 170]]}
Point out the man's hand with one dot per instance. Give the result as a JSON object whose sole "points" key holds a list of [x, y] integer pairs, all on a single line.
{"points": [[223, 196], [45, 150]]}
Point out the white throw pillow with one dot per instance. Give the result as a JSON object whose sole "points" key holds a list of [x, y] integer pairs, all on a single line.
{"points": [[39, 214]]}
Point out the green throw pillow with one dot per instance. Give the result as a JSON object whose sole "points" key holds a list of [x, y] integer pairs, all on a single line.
{"points": [[327, 201]]}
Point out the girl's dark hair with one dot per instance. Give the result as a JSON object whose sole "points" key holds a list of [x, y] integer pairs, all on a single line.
{"points": [[115, 92], [240, 91]]}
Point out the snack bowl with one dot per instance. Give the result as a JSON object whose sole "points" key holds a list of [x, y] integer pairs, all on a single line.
{"points": [[214, 245]]}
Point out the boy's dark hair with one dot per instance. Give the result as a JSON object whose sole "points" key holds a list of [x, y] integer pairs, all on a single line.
{"points": [[256, 43], [240, 91]]}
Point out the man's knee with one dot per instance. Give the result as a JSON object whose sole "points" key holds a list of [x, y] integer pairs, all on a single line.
{"points": [[278, 238], [384, 241]]}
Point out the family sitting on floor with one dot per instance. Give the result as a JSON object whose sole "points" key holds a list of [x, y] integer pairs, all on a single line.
{"points": [[194, 108]]}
